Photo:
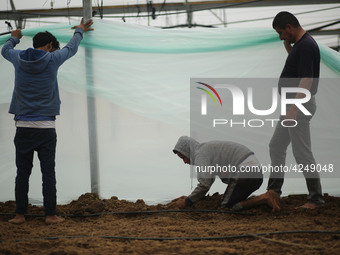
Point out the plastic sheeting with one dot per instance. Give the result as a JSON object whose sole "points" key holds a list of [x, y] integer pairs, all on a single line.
{"points": [[141, 78]]}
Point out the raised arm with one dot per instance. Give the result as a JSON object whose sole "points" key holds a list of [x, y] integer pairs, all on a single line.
{"points": [[71, 47], [7, 50], [287, 45], [85, 26], [16, 33]]}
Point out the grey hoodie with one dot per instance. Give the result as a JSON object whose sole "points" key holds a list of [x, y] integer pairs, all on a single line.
{"points": [[213, 153]]}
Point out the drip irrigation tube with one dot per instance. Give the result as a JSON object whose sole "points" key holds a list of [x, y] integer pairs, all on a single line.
{"points": [[181, 238], [136, 213]]}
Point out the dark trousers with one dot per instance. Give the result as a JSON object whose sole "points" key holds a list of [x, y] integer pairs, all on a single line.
{"points": [[239, 190], [43, 141]]}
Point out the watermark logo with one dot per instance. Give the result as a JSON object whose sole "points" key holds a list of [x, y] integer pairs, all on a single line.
{"points": [[239, 100], [250, 110], [204, 97]]}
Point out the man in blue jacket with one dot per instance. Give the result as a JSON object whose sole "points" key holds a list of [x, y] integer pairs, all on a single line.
{"points": [[35, 104]]}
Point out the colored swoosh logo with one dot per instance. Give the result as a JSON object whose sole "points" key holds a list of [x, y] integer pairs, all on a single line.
{"points": [[209, 93]]}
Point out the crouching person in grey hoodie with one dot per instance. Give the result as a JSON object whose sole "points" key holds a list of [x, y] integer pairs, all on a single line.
{"points": [[35, 104], [235, 164]]}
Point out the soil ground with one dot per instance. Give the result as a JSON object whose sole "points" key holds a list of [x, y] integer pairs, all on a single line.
{"points": [[92, 226]]}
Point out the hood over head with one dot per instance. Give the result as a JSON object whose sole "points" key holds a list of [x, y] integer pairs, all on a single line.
{"points": [[186, 146], [33, 60]]}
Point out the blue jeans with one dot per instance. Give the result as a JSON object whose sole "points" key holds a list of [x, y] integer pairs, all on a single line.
{"points": [[43, 141]]}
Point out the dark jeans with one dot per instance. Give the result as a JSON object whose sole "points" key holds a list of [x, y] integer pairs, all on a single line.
{"points": [[239, 190], [43, 141]]}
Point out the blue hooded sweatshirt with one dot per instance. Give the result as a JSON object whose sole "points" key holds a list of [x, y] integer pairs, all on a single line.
{"points": [[36, 91]]}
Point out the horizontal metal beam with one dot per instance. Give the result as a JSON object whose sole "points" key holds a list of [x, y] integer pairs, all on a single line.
{"points": [[159, 7], [326, 32]]}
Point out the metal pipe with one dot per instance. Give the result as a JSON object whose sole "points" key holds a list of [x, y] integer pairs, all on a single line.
{"points": [[91, 107]]}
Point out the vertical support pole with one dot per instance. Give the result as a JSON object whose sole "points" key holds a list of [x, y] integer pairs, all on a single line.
{"points": [[189, 14], [224, 18], [148, 9], [87, 10], [91, 107], [18, 19]]}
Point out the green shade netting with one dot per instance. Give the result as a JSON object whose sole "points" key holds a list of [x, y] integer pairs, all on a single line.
{"points": [[140, 78], [149, 62], [133, 38]]}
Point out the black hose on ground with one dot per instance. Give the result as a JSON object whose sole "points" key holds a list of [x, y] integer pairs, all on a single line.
{"points": [[180, 238], [137, 213]]}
